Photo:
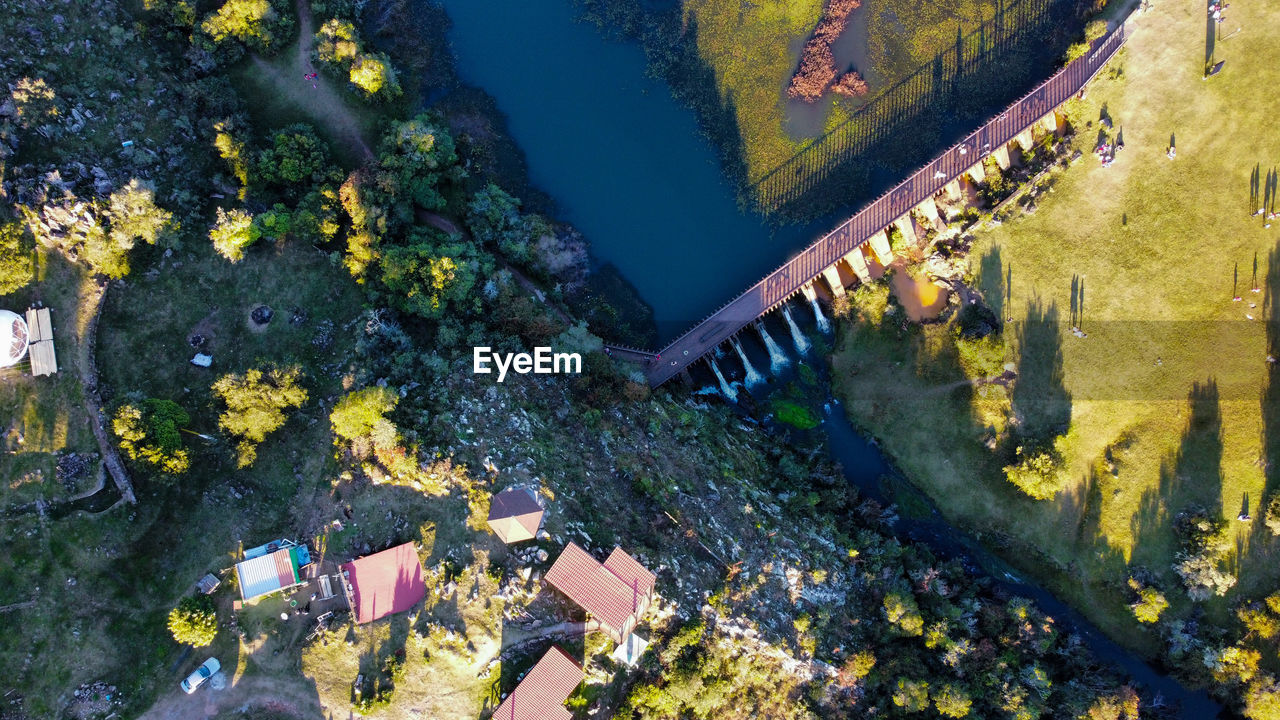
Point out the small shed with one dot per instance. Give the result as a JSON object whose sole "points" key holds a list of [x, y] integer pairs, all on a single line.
{"points": [[384, 583], [616, 592], [515, 515], [208, 584]]}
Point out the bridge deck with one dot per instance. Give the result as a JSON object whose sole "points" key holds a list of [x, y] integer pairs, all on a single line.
{"points": [[781, 284]]}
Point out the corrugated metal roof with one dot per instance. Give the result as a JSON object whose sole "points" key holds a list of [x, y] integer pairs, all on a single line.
{"points": [[267, 573], [542, 692], [610, 598]]}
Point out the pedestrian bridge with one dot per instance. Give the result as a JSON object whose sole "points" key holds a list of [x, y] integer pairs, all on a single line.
{"points": [[864, 236]]}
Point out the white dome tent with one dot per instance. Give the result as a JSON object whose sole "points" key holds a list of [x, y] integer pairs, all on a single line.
{"points": [[13, 338]]}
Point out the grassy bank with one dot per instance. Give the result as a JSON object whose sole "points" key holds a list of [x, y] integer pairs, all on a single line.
{"points": [[1166, 399]]}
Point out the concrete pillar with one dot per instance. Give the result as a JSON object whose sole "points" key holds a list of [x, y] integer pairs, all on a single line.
{"points": [[858, 262], [809, 293], [952, 190], [880, 244], [977, 174], [907, 228], [1050, 122], [930, 210], [832, 276], [1025, 140], [1001, 154]]}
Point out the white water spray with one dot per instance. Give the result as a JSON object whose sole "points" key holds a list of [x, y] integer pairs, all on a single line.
{"points": [[802, 343], [778, 360], [753, 377], [823, 325], [725, 388]]}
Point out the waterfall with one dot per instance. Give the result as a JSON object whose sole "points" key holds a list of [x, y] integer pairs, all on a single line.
{"points": [[802, 344], [753, 377], [777, 359], [823, 325], [725, 388]]}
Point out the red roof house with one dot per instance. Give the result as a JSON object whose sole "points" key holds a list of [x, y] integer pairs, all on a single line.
{"points": [[616, 593], [515, 515], [542, 692], [384, 583]]}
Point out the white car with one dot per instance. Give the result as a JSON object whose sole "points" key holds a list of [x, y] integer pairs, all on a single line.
{"points": [[202, 673]]}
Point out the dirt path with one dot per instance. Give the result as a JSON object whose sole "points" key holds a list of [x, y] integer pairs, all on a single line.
{"points": [[318, 98], [289, 696]]}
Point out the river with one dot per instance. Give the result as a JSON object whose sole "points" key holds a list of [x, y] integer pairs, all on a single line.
{"points": [[626, 165]]}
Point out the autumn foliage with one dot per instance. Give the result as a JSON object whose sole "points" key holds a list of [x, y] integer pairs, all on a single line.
{"points": [[817, 72]]}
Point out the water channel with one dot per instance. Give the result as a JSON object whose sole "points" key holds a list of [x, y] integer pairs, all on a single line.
{"points": [[626, 165]]}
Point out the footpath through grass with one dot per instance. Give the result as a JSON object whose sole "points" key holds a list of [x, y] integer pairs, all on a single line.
{"points": [[1166, 398]]}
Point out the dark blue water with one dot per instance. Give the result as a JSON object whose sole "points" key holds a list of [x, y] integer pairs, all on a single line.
{"points": [[623, 160]]}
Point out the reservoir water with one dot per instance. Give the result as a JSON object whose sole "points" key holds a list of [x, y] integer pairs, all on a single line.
{"points": [[622, 158]]}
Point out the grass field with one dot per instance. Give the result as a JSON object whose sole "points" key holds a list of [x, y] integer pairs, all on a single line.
{"points": [[1167, 399]]}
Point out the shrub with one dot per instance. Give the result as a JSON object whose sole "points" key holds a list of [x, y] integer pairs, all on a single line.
{"points": [[16, 267], [1037, 473], [1151, 603], [1257, 621], [195, 621], [296, 156], [149, 432]]}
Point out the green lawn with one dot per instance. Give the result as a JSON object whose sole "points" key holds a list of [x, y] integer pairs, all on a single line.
{"points": [[1166, 391]]}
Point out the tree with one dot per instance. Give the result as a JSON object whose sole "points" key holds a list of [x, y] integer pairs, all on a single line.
{"points": [[362, 415], [375, 76], [1262, 702], [952, 701], [901, 610], [1272, 515], [296, 156], [1257, 621], [149, 433], [233, 151], [1150, 603], [134, 216], [911, 696], [16, 267], [1232, 663], [1038, 473], [337, 42], [256, 402], [232, 232], [253, 22], [195, 621], [435, 275]]}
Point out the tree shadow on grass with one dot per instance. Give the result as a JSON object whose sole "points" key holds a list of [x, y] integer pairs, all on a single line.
{"points": [[992, 280], [1041, 402], [1261, 547], [1191, 475]]}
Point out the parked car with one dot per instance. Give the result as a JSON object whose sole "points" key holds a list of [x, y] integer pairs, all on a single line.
{"points": [[202, 673]]}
